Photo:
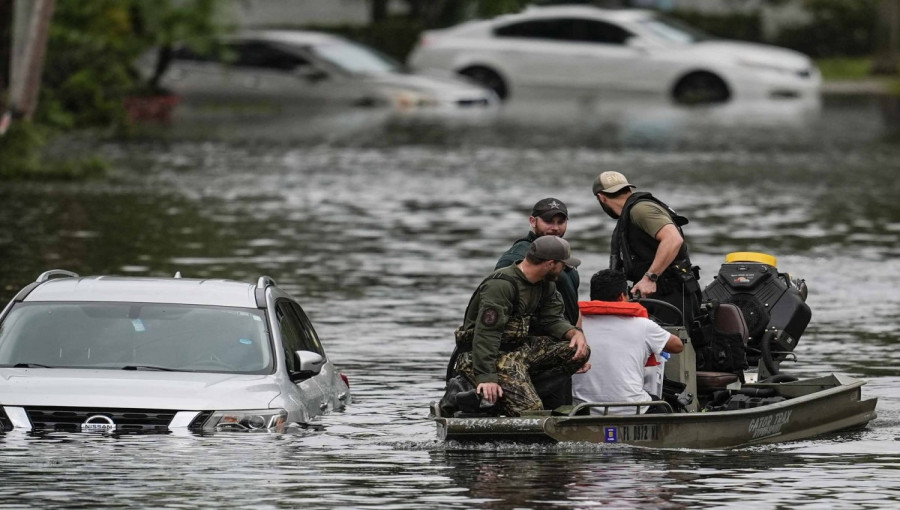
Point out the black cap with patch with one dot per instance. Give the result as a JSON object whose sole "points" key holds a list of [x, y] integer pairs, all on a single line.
{"points": [[547, 208]]}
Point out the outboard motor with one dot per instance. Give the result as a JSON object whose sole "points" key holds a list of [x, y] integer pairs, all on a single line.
{"points": [[773, 304]]}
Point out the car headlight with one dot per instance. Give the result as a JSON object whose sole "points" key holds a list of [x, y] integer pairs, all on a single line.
{"points": [[405, 99], [247, 420], [765, 66]]}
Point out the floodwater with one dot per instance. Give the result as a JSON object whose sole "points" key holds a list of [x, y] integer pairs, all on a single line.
{"points": [[383, 225]]}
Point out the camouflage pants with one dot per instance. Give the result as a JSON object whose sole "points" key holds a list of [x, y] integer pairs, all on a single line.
{"points": [[515, 368]]}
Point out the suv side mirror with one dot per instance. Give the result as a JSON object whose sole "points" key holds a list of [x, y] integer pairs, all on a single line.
{"points": [[309, 364]]}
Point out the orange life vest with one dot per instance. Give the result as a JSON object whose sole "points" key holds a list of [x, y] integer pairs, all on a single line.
{"points": [[624, 308]]}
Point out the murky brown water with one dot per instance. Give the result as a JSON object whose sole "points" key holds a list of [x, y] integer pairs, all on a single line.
{"points": [[383, 227]]}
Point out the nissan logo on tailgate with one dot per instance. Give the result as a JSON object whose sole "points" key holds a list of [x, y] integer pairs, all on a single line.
{"points": [[98, 423]]}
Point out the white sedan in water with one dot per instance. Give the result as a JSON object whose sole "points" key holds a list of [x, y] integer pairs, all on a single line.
{"points": [[587, 50]]}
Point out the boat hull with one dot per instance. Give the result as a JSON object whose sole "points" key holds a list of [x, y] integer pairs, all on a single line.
{"points": [[814, 407]]}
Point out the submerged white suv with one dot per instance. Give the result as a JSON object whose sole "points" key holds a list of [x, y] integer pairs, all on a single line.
{"points": [[155, 355]]}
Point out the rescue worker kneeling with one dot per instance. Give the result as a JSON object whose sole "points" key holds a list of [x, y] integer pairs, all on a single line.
{"points": [[515, 327]]}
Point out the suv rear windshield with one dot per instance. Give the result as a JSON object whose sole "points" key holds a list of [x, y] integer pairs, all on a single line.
{"points": [[136, 336]]}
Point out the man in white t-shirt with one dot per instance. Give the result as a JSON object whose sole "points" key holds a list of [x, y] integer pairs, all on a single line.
{"points": [[621, 338]]}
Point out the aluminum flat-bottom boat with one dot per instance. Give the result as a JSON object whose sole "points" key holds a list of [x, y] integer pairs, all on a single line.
{"points": [[755, 316], [811, 407]]}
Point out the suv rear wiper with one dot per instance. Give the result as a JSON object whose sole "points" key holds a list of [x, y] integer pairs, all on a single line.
{"points": [[148, 367], [30, 365]]}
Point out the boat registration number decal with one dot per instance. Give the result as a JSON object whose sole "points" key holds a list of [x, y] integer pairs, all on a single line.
{"points": [[632, 433], [769, 425]]}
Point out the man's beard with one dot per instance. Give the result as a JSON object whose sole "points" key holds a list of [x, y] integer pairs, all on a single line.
{"points": [[609, 211], [552, 277]]}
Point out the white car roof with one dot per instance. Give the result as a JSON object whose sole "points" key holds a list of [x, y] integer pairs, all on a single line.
{"points": [[297, 37], [482, 27], [146, 290], [585, 11]]}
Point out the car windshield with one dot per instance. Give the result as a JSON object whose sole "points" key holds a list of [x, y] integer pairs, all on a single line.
{"points": [[136, 336], [355, 58], [674, 30]]}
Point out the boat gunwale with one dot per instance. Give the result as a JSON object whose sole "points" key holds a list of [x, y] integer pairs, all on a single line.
{"points": [[838, 385]]}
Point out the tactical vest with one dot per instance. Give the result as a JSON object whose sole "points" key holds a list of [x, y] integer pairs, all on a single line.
{"points": [[633, 249], [518, 326]]}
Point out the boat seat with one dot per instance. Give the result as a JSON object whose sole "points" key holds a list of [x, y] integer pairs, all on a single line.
{"points": [[730, 320], [707, 382]]}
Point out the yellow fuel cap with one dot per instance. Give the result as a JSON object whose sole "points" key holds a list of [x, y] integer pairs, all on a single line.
{"points": [[751, 256]]}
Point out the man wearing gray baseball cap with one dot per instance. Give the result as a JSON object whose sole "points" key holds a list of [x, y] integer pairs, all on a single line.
{"points": [[553, 249], [514, 326], [648, 245]]}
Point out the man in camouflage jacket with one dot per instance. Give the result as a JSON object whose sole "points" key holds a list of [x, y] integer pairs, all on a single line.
{"points": [[515, 325]]}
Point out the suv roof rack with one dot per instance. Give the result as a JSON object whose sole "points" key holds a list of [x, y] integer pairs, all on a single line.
{"points": [[47, 275], [261, 284]]}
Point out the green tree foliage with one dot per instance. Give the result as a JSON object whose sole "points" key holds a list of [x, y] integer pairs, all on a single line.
{"points": [[397, 36], [163, 24], [443, 13], [87, 71], [491, 8], [838, 28], [90, 68], [23, 159], [93, 47]]}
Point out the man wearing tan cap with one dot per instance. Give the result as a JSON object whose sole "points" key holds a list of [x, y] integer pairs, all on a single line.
{"points": [[648, 244], [514, 326]]}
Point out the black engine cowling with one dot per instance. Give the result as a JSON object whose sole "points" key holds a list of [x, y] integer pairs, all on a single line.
{"points": [[774, 305]]}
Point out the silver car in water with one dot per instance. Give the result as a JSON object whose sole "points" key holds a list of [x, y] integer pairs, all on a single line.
{"points": [[271, 70], [155, 355]]}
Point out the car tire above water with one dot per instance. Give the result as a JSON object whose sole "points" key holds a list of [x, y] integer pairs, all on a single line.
{"points": [[701, 87], [487, 78]]}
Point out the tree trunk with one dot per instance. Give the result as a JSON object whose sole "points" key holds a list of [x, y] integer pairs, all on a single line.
{"points": [[415, 9], [888, 37], [163, 59], [25, 83], [6, 14], [379, 10]]}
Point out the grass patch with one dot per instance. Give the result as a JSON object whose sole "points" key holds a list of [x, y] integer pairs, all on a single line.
{"points": [[21, 153], [858, 68], [894, 88]]}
